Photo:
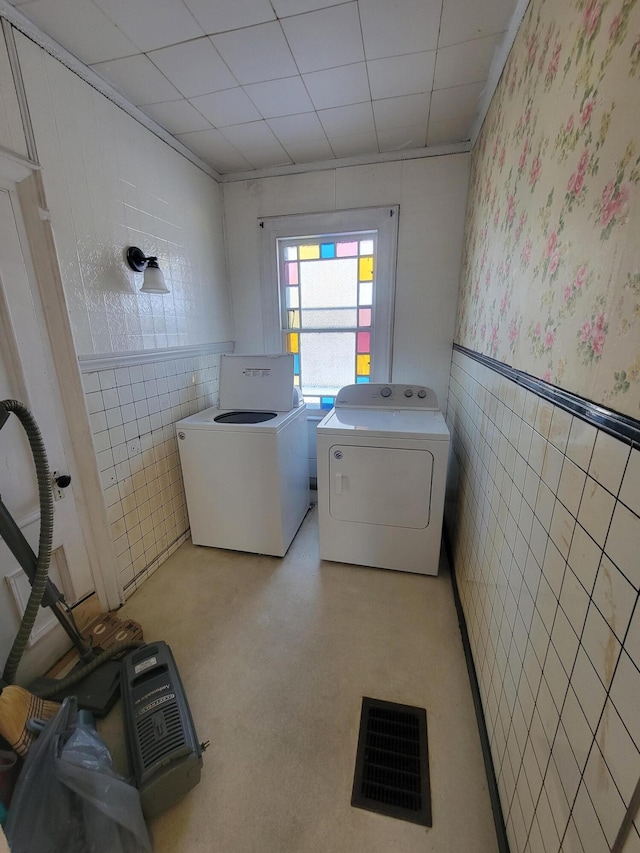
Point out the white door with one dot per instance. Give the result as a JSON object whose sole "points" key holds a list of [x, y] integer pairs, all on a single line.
{"points": [[26, 374]]}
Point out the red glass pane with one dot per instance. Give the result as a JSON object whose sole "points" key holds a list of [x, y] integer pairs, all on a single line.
{"points": [[364, 342], [292, 273]]}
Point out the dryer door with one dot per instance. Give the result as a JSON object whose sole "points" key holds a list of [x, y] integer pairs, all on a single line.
{"points": [[380, 485]]}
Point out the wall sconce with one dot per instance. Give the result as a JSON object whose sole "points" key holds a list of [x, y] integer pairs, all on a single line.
{"points": [[153, 281]]}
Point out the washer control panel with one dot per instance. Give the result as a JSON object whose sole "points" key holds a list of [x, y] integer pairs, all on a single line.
{"points": [[391, 396]]}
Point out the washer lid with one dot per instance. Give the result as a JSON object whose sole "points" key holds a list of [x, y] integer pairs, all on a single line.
{"points": [[387, 423], [205, 420], [256, 382]]}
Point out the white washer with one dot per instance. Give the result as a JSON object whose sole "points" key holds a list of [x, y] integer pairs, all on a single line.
{"points": [[245, 465], [382, 465]]}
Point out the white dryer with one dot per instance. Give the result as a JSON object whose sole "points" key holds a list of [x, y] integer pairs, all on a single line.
{"points": [[382, 466], [245, 464]]}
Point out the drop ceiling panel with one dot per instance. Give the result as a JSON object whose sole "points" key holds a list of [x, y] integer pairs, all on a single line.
{"points": [[452, 113], [194, 67], [265, 158], [310, 151], [326, 38], [354, 144], [464, 63], [152, 23], [403, 111], [468, 19], [232, 106], [402, 138], [138, 79], [404, 26], [301, 128], [346, 121], [218, 16], [337, 87], [177, 116], [280, 97], [251, 136], [257, 53], [80, 27], [285, 8], [401, 75]]}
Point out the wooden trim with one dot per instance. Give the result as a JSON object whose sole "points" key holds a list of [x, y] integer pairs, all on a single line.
{"points": [[110, 361], [76, 434]]}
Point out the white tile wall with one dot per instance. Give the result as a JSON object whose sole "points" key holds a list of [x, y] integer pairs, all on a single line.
{"points": [[110, 183], [133, 411], [545, 542]]}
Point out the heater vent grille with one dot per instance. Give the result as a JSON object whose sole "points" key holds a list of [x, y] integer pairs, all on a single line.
{"points": [[392, 762], [161, 735]]}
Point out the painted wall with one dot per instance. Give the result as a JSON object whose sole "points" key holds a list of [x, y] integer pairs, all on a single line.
{"points": [[11, 130], [110, 183], [432, 197], [551, 280], [548, 512]]}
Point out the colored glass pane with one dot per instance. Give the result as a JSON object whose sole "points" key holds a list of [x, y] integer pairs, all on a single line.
{"points": [[327, 250], [296, 364], [293, 319], [363, 365], [310, 252], [365, 269], [364, 342], [327, 402], [293, 298], [364, 317], [291, 273], [293, 344], [366, 247], [291, 253], [296, 381], [346, 250], [312, 402], [360, 380], [366, 293]]}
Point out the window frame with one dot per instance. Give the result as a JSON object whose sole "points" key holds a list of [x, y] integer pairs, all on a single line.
{"points": [[384, 220]]}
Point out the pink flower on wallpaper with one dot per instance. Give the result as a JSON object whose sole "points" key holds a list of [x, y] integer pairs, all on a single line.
{"points": [[504, 302], [483, 331], [549, 338], [546, 376], [615, 26], [537, 330], [576, 183], [567, 292], [496, 216], [569, 125], [607, 193], [583, 162], [554, 261], [552, 68], [552, 241], [493, 343], [597, 342], [526, 252], [587, 109], [511, 209], [513, 331], [616, 205], [503, 154], [536, 167], [600, 321], [523, 156], [591, 18], [585, 331], [581, 277]]}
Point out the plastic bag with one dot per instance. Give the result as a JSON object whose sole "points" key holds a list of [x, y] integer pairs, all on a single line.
{"points": [[69, 800]]}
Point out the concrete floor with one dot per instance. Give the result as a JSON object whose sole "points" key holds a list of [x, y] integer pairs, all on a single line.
{"points": [[275, 656]]}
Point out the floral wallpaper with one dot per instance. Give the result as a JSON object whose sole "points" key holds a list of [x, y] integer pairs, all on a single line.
{"points": [[551, 273]]}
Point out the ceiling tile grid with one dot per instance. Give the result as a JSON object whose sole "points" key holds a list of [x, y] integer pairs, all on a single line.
{"points": [[253, 84]]}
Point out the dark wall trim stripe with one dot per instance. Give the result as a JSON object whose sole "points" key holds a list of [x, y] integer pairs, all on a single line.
{"points": [[620, 426], [492, 782]]}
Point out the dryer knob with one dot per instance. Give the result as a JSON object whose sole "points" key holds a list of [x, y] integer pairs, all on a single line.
{"points": [[408, 393], [181, 436], [422, 393], [385, 392]]}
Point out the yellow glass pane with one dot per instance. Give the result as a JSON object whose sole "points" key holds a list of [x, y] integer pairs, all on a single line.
{"points": [[292, 343], [363, 365], [296, 380], [366, 269], [293, 319], [309, 253]]}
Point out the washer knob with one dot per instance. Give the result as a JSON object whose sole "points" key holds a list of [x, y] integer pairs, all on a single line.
{"points": [[422, 393], [408, 393], [385, 392]]}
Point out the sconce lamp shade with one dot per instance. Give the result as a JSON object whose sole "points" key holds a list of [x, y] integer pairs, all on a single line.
{"points": [[153, 281]]}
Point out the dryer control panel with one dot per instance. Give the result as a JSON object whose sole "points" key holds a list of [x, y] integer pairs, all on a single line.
{"points": [[388, 396]]}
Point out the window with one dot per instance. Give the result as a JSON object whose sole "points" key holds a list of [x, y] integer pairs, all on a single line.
{"points": [[328, 297]]}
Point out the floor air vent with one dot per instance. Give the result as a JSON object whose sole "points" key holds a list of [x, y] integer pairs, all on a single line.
{"points": [[392, 762]]}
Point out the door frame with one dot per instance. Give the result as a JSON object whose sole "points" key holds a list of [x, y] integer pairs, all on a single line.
{"points": [[23, 180]]}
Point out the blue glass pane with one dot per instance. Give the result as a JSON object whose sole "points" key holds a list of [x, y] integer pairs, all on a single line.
{"points": [[327, 402], [362, 379], [296, 364], [327, 250]]}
